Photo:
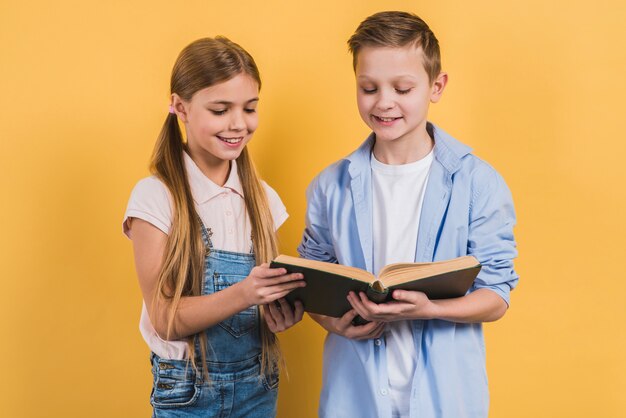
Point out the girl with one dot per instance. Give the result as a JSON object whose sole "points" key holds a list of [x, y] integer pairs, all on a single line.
{"points": [[199, 226]]}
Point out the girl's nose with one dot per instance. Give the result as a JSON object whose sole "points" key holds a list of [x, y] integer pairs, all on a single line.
{"points": [[237, 122]]}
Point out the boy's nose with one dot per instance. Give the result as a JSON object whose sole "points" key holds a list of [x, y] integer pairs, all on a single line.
{"points": [[384, 102]]}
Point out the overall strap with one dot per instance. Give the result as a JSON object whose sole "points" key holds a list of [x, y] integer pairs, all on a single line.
{"points": [[206, 236], [207, 233]]}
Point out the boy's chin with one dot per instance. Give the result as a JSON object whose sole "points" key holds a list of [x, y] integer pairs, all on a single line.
{"points": [[385, 136]]}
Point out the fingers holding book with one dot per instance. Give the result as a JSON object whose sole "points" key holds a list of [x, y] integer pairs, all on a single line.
{"points": [[264, 284], [406, 305], [343, 326], [280, 316]]}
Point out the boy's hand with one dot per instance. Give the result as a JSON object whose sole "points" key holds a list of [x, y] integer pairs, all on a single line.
{"points": [[407, 305], [343, 326], [280, 317]]}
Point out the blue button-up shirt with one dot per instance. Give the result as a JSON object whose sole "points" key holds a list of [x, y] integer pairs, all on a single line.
{"points": [[467, 209]]}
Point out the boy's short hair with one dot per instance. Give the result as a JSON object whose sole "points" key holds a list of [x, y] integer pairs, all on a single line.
{"points": [[396, 30]]}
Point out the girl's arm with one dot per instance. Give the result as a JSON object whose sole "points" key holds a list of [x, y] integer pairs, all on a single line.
{"points": [[197, 313]]}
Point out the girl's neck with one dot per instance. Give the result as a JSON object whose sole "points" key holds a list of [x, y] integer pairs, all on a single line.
{"points": [[404, 150], [213, 168]]}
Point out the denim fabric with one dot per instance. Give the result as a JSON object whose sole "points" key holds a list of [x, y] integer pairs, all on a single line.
{"points": [[236, 388]]}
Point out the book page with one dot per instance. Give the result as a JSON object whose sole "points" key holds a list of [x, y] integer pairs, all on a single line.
{"points": [[347, 271], [404, 272]]}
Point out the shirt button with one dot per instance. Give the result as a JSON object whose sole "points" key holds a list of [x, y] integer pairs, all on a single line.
{"points": [[377, 341], [230, 230], [223, 194], [383, 392], [228, 213]]}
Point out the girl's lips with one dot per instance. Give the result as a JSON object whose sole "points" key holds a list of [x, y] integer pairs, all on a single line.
{"points": [[231, 142]]}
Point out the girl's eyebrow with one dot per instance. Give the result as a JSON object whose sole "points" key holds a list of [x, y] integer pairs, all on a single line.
{"points": [[225, 102]]}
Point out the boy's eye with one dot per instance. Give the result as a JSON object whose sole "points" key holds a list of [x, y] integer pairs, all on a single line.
{"points": [[218, 112], [249, 110], [368, 91], [401, 91]]}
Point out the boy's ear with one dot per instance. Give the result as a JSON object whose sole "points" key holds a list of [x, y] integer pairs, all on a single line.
{"points": [[180, 107], [437, 88]]}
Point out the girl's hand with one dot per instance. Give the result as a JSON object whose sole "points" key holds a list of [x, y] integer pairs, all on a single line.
{"points": [[343, 326], [406, 305], [264, 285], [279, 315]]}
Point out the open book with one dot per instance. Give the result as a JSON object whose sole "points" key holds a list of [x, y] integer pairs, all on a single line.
{"points": [[328, 284]]}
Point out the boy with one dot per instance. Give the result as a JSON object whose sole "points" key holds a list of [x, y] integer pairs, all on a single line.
{"points": [[410, 193]]}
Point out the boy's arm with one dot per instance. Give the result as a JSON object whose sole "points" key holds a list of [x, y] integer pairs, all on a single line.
{"points": [[491, 241], [317, 245], [316, 242], [481, 305]]}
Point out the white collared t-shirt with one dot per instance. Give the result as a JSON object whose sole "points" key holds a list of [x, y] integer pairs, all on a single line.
{"points": [[398, 193], [221, 208]]}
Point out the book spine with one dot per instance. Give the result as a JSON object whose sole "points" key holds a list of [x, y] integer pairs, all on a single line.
{"points": [[377, 293]]}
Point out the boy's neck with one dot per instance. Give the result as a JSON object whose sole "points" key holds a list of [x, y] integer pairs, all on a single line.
{"points": [[404, 150]]}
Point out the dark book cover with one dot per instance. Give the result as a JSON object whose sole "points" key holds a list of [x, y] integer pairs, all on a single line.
{"points": [[326, 293]]}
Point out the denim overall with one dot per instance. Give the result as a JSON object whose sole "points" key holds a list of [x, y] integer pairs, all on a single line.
{"points": [[237, 388]]}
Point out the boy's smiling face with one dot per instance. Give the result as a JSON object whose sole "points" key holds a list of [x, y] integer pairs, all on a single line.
{"points": [[394, 92]]}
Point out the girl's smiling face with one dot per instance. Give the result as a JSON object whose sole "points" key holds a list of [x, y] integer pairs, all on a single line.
{"points": [[220, 119]]}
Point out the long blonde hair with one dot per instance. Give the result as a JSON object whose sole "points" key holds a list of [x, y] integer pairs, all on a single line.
{"points": [[201, 64]]}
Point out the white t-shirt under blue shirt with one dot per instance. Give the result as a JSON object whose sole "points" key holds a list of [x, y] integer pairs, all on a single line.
{"points": [[398, 193]]}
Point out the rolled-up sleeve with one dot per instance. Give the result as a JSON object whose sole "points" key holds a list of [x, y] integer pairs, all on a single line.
{"points": [[316, 240], [491, 241]]}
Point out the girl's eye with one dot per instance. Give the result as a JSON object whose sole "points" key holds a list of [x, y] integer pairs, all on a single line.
{"points": [[218, 112], [249, 110], [400, 91], [368, 91]]}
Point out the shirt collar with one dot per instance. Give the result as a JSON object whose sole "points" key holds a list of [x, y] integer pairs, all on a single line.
{"points": [[203, 189], [448, 151]]}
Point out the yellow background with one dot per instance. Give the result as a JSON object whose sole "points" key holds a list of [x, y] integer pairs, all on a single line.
{"points": [[537, 88]]}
